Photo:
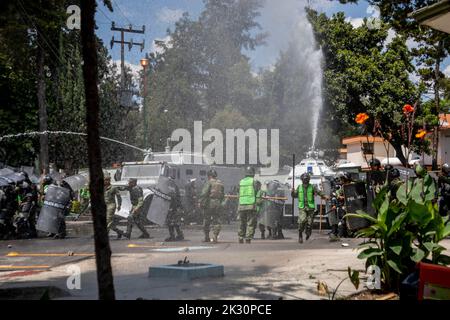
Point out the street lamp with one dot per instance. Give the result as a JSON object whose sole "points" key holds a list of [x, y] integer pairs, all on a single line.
{"points": [[145, 62]]}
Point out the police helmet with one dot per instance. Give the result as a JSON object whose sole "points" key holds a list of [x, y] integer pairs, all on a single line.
{"points": [[305, 177], [446, 168], [388, 167], [132, 180], [250, 172], [394, 173], [347, 176], [212, 173], [47, 180], [374, 163]]}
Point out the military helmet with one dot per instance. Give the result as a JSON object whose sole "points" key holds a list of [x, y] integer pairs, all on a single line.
{"points": [[305, 177], [250, 172], [212, 173], [374, 163], [394, 173], [446, 168], [47, 180]]}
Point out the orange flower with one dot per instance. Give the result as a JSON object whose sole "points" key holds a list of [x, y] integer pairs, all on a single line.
{"points": [[408, 109], [361, 118], [421, 134]]}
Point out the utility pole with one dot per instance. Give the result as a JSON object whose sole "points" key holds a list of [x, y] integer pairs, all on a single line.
{"points": [[122, 43]]}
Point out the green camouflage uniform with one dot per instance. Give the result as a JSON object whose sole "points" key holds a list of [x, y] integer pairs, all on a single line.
{"points": [[211, 200], [247, 215], [174, 217], [111, 193], [135, 217]]}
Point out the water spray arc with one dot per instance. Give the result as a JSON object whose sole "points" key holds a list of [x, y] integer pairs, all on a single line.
{"points": [[38, 133]]}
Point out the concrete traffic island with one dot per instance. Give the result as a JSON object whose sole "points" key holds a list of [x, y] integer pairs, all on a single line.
{"points": [[186, 271]]}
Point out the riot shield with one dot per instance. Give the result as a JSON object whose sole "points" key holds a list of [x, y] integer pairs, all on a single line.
{"points": [[272, 209], [76, 182], [6, 172], [126, 202], [158, 207], [56, 202], [356, 200]]}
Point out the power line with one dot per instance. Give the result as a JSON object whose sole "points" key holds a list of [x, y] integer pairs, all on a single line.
{"points": [[118, 7], [99, 9]]}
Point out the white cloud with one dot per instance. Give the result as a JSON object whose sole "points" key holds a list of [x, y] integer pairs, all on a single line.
{"points": [[169, 15], [414, 77], [133, 67], [356, 22], [158, 49], [447, 71], [391, 35]]}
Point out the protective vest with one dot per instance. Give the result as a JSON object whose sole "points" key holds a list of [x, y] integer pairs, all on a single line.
{"points": [[247, 195], [309, 195]]}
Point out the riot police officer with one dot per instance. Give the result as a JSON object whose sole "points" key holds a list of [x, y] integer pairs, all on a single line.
{"points": [[135, 217], [247, 206], [174, 218], [334, 214], [191, 201], [112, 194], [211, 200], [394, 182], [306, 205], [444, 190], [26, 218]]}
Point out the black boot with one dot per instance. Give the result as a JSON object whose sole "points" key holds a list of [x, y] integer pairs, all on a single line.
{"points": [[180, 235], [207, 238], [300, 237], [263, 235], [129, 229]]}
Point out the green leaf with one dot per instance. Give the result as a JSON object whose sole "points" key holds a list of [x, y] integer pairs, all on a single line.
{"points": [[370, 252], [446, 231], [394, 266], [354, 277], [396, 249], [418, 256], [362, 216], [444, 260]]}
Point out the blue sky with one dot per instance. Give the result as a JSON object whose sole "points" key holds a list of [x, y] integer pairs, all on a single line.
{"points": [[159, 15]]}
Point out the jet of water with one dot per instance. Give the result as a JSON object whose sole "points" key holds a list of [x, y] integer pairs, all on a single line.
{"points": [[59, 133]]}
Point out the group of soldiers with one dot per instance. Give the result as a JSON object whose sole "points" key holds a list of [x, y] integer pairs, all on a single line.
{"points": [[20, 204], [377, 178]]}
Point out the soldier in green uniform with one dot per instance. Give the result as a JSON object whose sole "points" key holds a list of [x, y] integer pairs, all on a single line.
{"points": [[211, 200], [111, 194], [248, 189], [137, 202], [306, 206], [174, 217]]}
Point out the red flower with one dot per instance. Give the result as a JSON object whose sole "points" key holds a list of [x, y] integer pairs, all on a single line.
{"points": [[361, 118], [408, 109]]}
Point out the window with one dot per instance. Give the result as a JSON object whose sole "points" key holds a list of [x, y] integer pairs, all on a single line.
{"points": [[202, 173], [368, 148], [189, 172]]}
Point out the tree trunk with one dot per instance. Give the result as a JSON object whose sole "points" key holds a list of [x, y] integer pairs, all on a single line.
{"points": [[90, 71], [43, 117], [437, 72]]}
